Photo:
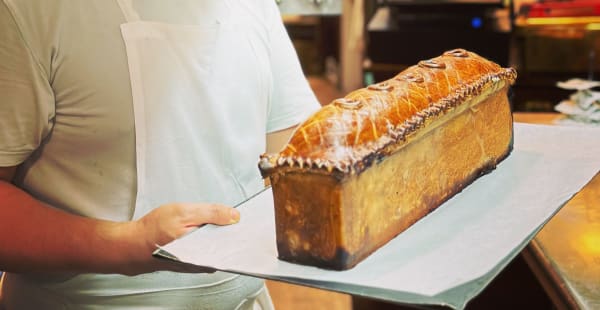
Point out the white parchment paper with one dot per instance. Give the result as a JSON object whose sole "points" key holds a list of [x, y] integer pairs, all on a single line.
{"points": [[446, 258]]}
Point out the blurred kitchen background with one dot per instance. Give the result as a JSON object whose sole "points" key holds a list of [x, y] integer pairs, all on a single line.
{"points": [[347, 44]]}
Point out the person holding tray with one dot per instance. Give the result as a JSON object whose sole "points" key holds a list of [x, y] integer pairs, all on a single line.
{"points": [[124, 125]]}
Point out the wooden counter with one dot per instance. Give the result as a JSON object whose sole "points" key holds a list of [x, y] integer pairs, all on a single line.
{"points": [[565, 254]]}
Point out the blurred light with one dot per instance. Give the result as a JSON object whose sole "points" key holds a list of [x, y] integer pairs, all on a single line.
{"points": [[476, 22], [561, 20], [593, 26], [590, 242]]}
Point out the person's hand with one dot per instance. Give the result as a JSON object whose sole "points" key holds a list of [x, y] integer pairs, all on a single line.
{"points": [[169, 222]]}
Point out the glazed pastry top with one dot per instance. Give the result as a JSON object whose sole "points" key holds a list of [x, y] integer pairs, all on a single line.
{"points": [[352, 132]]}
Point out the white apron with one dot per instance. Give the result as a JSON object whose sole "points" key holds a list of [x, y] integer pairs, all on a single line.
{"points": [[186, 149], [197, 140]]}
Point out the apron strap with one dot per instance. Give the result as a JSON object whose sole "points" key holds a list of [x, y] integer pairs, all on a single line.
{"points": [[129, 12]]}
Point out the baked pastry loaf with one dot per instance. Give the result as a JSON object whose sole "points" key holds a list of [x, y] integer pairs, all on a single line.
{"points": [[365, 167]]}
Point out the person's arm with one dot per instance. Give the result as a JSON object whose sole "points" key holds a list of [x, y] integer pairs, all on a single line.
{"points": [[35, 237], [292, 99]]}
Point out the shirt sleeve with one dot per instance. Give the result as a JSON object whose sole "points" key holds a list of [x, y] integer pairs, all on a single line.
{"points": [[292, 99], [26, 99]]}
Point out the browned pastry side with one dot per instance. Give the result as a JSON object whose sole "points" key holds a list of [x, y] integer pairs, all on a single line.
{"points": [[366, 167]]}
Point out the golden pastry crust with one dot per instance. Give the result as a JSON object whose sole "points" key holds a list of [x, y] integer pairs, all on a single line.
{"points": [[368, 166], [373, 122]]}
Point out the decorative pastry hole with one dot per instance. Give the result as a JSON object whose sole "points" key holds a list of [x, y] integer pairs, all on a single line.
{"points": [[411, 78], [345, 103], [459, 52], [381, 87], [432, 64]]}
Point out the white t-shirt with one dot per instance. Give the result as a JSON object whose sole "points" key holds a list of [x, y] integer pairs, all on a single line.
{"points": [[67, 118]]}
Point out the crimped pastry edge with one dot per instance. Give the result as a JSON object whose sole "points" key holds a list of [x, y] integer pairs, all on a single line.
{"points": [[395, 138]]}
